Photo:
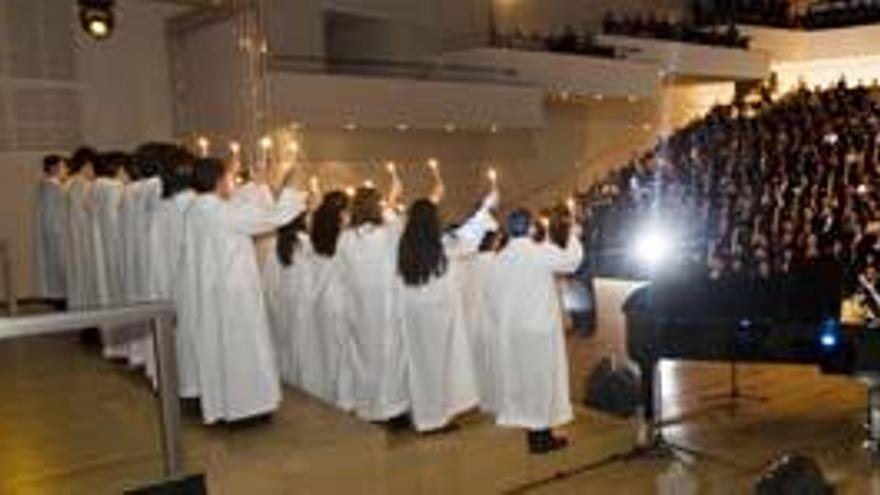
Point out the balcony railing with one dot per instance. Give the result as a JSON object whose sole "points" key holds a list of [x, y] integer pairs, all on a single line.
{"points": [[416, 70]]}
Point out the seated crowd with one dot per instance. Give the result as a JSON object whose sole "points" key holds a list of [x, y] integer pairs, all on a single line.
{"points": [[567, 41], [661, 28], [823, 14], [762, 190]]}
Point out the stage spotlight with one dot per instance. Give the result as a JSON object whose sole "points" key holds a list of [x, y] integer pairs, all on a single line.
{"points": [[652, 247], [829, 337], [97, 18]]}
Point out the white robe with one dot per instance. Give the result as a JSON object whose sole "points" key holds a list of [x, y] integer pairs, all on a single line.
{"points": [[106, 199], [440, 369], [326, 352], [145, 204], [166, 249], [286, 289], [475, 294], [224, 312], [368, 263], [530, 355], [81, 267], [50, 239]]}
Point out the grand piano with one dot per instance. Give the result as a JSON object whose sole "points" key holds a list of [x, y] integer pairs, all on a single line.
{"points": [[682, 316]]}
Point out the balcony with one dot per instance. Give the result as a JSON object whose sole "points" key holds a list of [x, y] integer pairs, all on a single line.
{"points": [[384, 94], [688, 60], [578, 75]]}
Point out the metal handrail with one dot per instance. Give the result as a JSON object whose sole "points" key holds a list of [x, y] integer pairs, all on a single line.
{"points": [[8, 278], [161, 316]]}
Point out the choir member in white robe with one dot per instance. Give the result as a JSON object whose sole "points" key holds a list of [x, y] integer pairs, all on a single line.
{"points": [[477, 272], [107, 196], [326, 350], [145, 203], [287, 279], [368, 263], [50, 232], [81, 263], [259, 193], [225, 314], [166, 248], [531, 362], [440, 370]]}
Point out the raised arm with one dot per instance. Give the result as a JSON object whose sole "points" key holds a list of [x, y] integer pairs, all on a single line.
{"points": [[439, 189], [566, 260], [467, 238], [396, 190], [251, 219]]}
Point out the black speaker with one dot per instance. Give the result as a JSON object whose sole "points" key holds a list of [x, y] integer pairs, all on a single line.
{"points": [[613, 388], [191, 485]]}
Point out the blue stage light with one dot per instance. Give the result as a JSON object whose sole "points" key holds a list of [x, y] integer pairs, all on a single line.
{"points": [[829, 337], [828, 340]]}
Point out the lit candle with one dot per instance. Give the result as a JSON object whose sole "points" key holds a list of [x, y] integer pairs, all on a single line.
{"points": [[235, 149], [570, 203], [492, 175], [369, 184], [544, 221], [293, 147], [265, 145], [392, 169], [203, 144], [349, 191], [433, 164]]}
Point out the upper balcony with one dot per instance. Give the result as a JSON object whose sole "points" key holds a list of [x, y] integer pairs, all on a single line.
{"points": [[688, 60], [577, 75], [384, 94]]}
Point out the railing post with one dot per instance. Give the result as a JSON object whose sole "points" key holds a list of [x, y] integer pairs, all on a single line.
{"points": [[9, 278], [169, 405]]}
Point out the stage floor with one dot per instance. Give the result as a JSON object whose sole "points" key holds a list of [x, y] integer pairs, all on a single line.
{"points": [[71, 422]]}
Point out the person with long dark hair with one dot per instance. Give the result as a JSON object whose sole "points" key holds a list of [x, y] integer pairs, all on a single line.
{"points": [[325, 363], [532, 365], [287, 282], [440, 369], [367, 257], [224, 310]]}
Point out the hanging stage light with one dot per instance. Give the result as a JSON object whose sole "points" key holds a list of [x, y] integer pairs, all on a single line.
{"points": [[97, 18]]}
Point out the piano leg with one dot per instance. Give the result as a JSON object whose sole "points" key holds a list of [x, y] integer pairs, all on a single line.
{"points": [[649, 390]]}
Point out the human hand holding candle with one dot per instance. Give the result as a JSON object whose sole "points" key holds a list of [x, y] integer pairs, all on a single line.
{"points": [[439, 187], [203, 144]]}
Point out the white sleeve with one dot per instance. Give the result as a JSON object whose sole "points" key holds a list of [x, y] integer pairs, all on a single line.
{"points": [[467, 238], [252, 219], [563, 260]]}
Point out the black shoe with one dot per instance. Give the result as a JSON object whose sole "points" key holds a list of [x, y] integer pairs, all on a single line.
{"points": [[399, 423], [543, 442]]}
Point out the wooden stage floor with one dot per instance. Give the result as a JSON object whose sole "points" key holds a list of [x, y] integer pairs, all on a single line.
{"points": [[73, 423]]}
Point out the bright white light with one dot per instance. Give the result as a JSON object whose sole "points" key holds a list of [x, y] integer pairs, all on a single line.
{"points": [[828, 340], [652, 247]]}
